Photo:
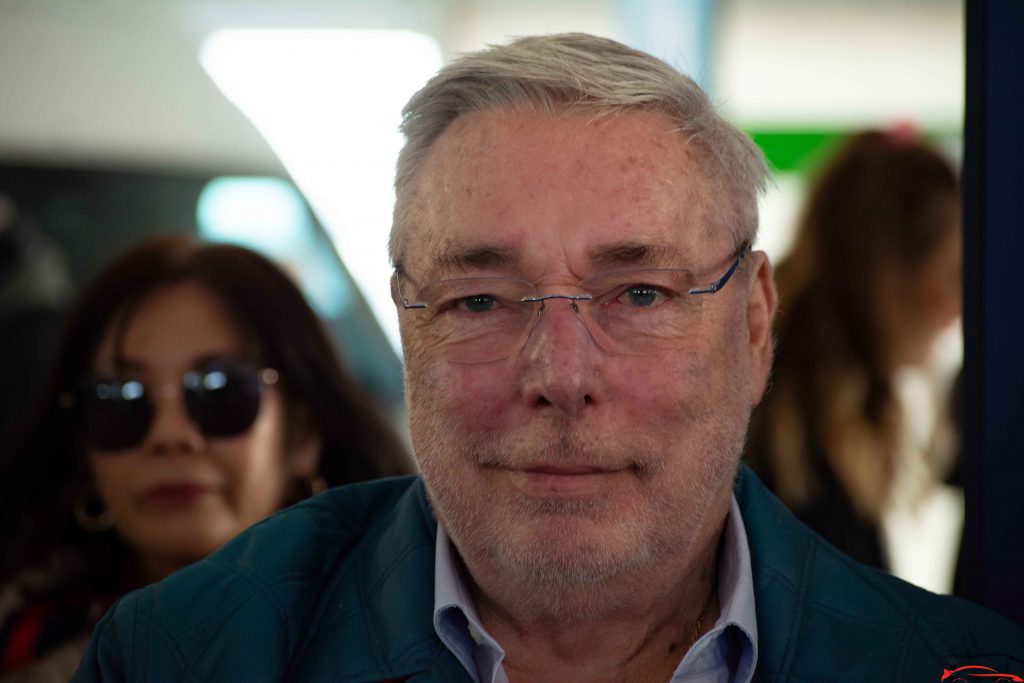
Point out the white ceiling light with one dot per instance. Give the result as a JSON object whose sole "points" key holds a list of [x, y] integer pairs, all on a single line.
{"points": [[328, 102]]}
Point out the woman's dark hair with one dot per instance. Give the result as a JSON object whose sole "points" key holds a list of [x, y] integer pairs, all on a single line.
{"points": [[880, 208], [47, 469]]}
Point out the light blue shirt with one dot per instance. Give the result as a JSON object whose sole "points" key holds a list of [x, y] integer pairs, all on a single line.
{"points": [[725, 654]]}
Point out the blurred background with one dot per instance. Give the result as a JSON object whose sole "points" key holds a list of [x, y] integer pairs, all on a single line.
{"points": [[274, 124]]}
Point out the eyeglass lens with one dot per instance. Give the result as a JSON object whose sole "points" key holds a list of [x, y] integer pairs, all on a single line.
{"points": [[222, 397], [485, 319], [632, 312]]}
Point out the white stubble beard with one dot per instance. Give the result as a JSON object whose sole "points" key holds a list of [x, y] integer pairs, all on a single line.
{"points": [[552, 575]]}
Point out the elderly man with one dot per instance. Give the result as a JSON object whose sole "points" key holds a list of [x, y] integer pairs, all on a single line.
{"points": [[586, 330]]}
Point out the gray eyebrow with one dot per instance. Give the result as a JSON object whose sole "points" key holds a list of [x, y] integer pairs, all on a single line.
{"points": [[459, 257], [633, 254]]}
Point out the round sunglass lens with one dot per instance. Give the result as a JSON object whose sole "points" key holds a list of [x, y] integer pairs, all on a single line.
{"points": [[223, 398], [115, 415]]}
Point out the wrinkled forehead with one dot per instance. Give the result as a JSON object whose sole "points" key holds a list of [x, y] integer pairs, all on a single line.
{"points": [[502, 189]]}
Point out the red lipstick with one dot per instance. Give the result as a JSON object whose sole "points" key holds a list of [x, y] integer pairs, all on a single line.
{"points": [[184, 493]]}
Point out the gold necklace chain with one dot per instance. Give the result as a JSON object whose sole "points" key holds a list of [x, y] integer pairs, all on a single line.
{"points": [[698, 627]]}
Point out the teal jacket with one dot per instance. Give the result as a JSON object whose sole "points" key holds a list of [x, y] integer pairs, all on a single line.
{"points": [[340, 588]]}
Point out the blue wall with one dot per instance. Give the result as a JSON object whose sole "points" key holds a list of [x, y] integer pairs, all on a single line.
{"points": [[994, 306]]}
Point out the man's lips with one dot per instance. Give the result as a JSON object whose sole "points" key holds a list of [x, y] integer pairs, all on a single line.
{"points": [[560, 479], [566, 470]]}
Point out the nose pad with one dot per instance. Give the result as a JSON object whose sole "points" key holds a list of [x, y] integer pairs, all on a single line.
{"points": [[573, 306], [557, 361], [542, 312]]}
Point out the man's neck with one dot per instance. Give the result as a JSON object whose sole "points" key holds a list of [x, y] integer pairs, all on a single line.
{"points": [[635, 627]]}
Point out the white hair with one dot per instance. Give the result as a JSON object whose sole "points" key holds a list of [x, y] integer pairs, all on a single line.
{"points": [[575, 71]]}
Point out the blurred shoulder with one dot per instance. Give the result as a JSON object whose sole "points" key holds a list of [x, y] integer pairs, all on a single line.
{"points": [[306, 539], [818, 609], [241, 613]]}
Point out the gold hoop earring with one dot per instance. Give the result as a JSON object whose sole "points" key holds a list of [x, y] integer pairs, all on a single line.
{"points": [[90, 512]]}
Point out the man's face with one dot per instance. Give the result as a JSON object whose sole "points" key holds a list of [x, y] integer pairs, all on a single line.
{"points": [[567, 462]]}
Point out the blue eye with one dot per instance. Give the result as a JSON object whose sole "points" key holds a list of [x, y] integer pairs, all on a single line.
{"points": [[479, 303], [642, 296]]}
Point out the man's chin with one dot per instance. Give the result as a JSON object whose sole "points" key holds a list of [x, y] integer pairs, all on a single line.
{"points": [[570, 550]]}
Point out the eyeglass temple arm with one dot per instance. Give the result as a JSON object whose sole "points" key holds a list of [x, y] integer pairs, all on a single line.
{"points": [[721, 282], [398, 291]]}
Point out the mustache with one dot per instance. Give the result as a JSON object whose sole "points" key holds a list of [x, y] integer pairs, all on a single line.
{"points": [[564, 445]]}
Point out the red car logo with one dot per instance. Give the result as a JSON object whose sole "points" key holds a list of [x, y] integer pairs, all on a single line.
{"points": [[964, 674]]}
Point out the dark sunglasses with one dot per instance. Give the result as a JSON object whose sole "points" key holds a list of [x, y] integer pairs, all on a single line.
{"points": [[222, 397]]}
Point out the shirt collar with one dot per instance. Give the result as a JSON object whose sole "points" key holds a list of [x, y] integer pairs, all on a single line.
{"points": [[455, 618], [730, 644], [732, 641]]}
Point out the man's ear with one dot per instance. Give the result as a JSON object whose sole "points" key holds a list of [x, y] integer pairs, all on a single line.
{"points": [[761, 305]]}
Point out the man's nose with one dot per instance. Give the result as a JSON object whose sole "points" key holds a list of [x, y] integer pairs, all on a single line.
{"points": [[558, 365], [172, 429]]}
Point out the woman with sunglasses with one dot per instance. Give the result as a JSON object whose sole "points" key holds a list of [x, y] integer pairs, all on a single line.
{"points": [[193, 394]]}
